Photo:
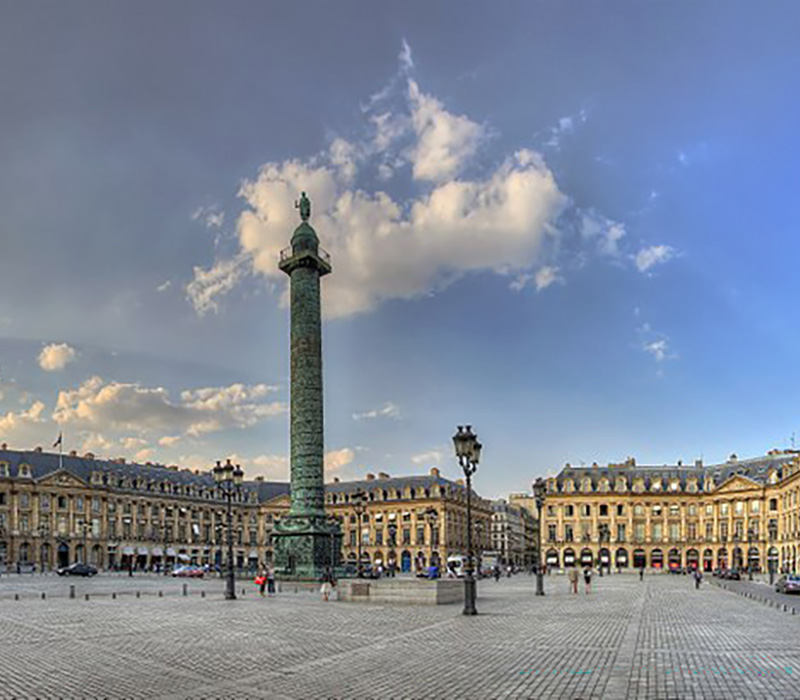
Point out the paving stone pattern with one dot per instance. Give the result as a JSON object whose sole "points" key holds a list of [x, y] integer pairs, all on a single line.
{"points": [[656, 639]]}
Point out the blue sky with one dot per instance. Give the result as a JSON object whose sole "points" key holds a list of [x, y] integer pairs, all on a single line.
{"points": [[572, 225]]}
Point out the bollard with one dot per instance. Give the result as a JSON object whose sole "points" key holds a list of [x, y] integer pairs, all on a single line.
{"points": [[202, 594], [138, 595], [161, 594], [16, 596], [242, 591], [72, 591], [43, 595], [113, 596], [185, 589], [87, 596]]}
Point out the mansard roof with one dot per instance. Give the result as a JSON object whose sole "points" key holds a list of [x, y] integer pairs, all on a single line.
{"points": [[44, 463], [397, 482], [756, 469]]}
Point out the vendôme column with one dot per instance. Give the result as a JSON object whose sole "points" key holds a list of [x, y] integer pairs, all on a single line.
{"points": [[306, 542]]}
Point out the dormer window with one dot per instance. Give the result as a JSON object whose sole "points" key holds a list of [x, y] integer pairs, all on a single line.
{"points": [[4, 469], [25, 471], [675, 485], [620, 486], [656, 485], [569, 486], [586, 485]]}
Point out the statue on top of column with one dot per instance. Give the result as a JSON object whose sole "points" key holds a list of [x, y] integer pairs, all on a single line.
{"points": [[304, 205]]}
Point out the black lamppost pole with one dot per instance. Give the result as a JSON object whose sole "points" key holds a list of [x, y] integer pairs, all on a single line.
{"points": [[432, 516], [468, 452], [538, 495], [229, 480], [359, 505]]}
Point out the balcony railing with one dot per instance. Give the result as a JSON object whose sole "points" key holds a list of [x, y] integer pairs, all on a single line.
{"points": [[289, 251]]}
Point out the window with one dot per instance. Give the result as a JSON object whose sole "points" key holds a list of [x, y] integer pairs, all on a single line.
{"points": [[353, 538], [755, 506], [24, 500], [657, 509], [620, 533], [551, 511], [723, 531], [587, 533], [551, 533], [674, 531], [724, 508], [739, 507], [638, 509], [692, 509], [44, 501], [406, 535], [3, 468], [24, 523], [586, 510], [420, 534], [2, 498], [709, 531], [79, 504], [691, 531], [379, 537], [568, 533], [674, 509], [2, 522], [603, 510], [638, 532], [657, 532], [709, 509], [620, 509], [773, 504], [569, 511]]}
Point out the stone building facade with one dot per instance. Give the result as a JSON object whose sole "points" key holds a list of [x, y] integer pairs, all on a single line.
{"points": [[513, 534], [55, 511], [397, 527], [113, 514], [740, 514]]}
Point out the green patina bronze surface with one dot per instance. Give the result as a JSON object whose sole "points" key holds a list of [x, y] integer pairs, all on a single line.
{"points": [[306, 542]]}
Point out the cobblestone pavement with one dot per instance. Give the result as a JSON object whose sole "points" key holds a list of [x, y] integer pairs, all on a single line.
{"points": [[657, 639]]}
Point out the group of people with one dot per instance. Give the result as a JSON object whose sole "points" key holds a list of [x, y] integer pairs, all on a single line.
{"points": [[266, 581], [574, 576]]}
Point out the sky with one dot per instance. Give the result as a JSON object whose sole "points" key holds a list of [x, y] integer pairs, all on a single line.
{"points": [[571, 225]]}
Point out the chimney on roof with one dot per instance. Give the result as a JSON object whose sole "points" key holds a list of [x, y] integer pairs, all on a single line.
{"points": [[259, 478], [5, 445], [383, 475], [733, 457], [38, 449], [680, 462], [335, 479], [89, 455], [73, 453], [698, 463], [594, 465], [370, 477], [121, 460], [435, 471]]}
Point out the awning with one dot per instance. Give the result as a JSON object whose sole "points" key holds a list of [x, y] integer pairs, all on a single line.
{"points": [[127, 551], [158, 552], [170, 552], [143, 551]]}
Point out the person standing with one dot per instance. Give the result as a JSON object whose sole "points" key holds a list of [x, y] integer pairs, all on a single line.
{"points": [[327, 585], [269, 573], [641, 573], [573, 579], [587, 579]]}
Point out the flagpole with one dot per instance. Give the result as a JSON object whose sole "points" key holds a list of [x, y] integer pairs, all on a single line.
{"points": [[61, 450]]}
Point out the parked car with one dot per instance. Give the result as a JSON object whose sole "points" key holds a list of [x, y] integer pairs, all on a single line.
{"points": [[189, 571], [733, 575], [788, 584], [77, 569]]}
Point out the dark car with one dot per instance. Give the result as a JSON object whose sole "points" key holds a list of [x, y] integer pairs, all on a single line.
{"points": [[77, 570], [733, 575], [788, 584]]}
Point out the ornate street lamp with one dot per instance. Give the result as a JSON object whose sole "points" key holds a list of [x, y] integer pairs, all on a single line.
{"points": [[538, 495], [432, 518], [468, 452], [359, 501], [229, 480]]}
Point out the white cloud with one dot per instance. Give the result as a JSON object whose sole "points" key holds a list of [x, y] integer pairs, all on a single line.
{"points": [[100, 406], [336, 459], [405, 58], [658, 349], [428, 458], [652, 256], [164, 287], [56, 356], [208, 285], [444, 141], [169, 440], [655, 344], [23, 428], [545, 276], [210, 216], [388, 410], [605, 232]]}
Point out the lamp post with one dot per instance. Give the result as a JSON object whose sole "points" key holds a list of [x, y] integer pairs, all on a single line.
{"points": [[538, 495], [432, 518], [229, 480], [468, 452], [359, 501]]}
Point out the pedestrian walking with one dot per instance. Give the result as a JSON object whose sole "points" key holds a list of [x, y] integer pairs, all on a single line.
{"points": [[261, 582], [327, 585], [641, 573], [698, 577], [496, 573], [573, 579], [587, 579]]}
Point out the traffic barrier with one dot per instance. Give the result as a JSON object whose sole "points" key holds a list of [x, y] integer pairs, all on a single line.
{"points": [[72, 592], [87, 596], [43, 595], [185, 589]]}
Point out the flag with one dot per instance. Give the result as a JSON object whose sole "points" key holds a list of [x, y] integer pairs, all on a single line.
{"points": [[57, 443]]}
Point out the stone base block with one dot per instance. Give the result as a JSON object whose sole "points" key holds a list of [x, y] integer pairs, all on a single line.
{"points": [[402, 591]]}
